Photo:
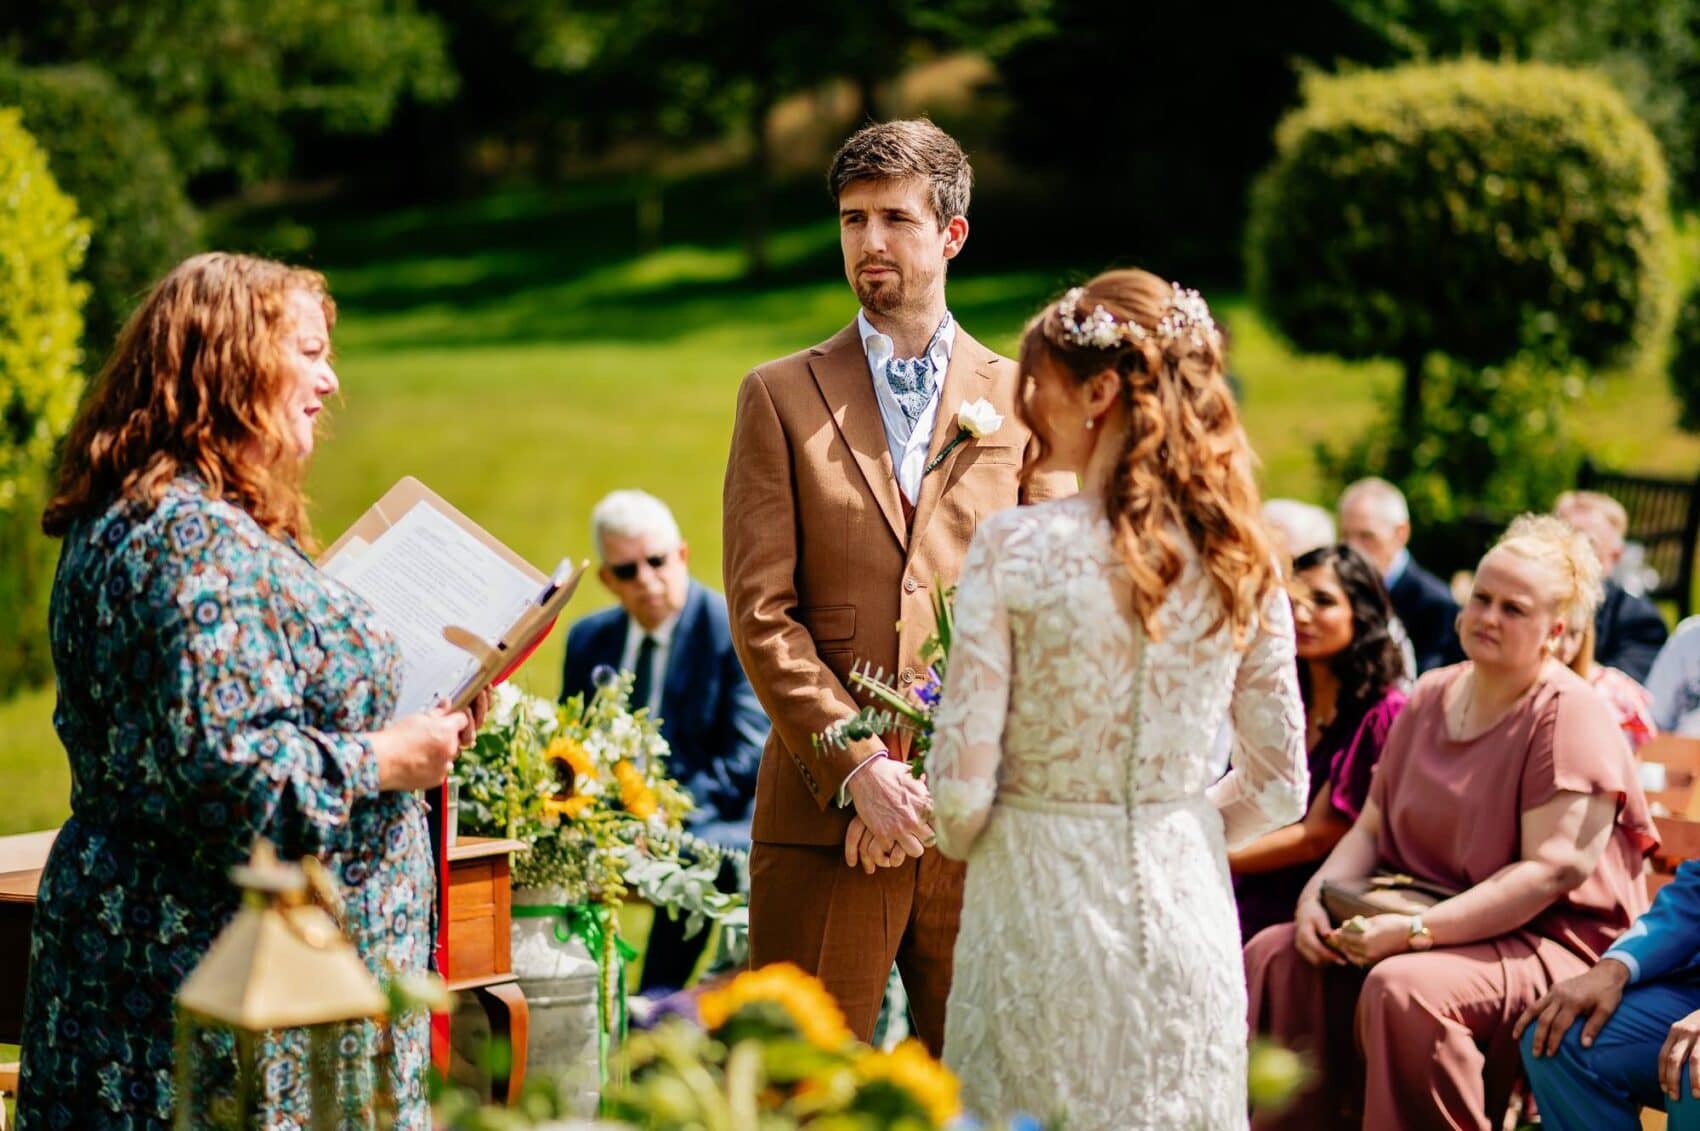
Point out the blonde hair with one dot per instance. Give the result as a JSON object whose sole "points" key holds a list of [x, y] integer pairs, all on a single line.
{"points": [[1550, 541], [196, 383], [1185, 465]]}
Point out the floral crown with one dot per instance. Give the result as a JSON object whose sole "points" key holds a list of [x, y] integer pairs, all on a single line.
{"points": [[1187, 313]]}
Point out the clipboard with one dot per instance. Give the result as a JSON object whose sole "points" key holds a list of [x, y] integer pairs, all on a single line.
{"points": [[496, 659]]}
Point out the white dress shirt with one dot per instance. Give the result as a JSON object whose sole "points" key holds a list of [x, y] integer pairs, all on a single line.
{"points": [[663, 635], [908, 442]]}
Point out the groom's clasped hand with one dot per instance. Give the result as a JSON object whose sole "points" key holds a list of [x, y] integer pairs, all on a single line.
{"points": [[893, 811]]}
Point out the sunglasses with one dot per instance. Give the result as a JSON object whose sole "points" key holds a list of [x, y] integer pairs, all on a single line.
{"points": [[627, 571]]}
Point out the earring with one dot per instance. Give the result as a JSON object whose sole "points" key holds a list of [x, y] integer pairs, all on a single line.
{"points": [[1089, 423]]}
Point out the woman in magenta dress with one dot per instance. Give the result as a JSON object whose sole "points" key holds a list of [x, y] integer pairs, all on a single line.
{"points": [[1507, 781], [1350, 668]]}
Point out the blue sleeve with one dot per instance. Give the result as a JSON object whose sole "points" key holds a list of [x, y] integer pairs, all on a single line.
{"points": [[1667, 937]]}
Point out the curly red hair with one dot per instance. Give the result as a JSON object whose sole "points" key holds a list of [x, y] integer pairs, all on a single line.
{"points": [[1186, 465], [197, 383]]}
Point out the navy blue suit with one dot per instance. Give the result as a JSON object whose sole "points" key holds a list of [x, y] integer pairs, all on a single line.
{"points": [[709, 716], [1628, 632], [1604, 1086], [1430, 616]]}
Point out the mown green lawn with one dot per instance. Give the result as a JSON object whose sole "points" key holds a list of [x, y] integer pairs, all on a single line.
{"points": [[514, 354]]}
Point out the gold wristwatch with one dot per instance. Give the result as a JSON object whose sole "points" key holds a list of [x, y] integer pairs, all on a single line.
{"points": [[1421, 938]]}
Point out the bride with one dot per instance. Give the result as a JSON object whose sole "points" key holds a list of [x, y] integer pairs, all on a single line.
{"points": [[1101, 641]]}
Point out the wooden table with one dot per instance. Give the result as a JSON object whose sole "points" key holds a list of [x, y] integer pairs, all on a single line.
{"points": [[478, 916], [22, 858]]}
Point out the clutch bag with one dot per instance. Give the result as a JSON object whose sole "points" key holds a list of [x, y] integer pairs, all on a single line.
{"points": [[1382, 894]]}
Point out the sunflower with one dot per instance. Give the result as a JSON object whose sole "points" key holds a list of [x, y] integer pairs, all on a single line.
{"points": [[636, 796], [806, 1004], [570, 754], [567, 807], [911, 1070]]}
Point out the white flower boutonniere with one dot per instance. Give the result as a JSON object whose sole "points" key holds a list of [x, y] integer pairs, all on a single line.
{"points": [[976, 419]]}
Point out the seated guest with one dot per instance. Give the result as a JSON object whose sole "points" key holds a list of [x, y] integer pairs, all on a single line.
{"points": [[1674, 682], [1628, 630], [1628, 700], [1506, 781], [1375, 521], [1601, 1046], [1349, 674], [1298, 527], [672, 635]]}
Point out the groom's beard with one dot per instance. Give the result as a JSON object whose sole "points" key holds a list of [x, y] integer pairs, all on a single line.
{"points": [[892, 293]]}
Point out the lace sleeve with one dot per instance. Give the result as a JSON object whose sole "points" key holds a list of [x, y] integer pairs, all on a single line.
{"points": [[962, 769], [1269, 781]]}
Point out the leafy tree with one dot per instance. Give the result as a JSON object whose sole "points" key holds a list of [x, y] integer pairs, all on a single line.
{"points": [[1463, 209], [230, 82], [1649, 49], [109, 157]]}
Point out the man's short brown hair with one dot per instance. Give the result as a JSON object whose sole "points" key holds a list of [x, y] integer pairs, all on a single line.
{"points": [[914, 147]]}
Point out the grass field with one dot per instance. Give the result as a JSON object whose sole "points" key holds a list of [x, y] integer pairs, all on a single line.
{"points": [[516, 355]]}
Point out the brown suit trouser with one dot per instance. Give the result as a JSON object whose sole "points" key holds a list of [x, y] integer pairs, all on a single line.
{"points": [[847, 928]]}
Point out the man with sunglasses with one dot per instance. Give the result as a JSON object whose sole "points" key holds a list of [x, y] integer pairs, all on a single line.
{"points": [[672, 635]]}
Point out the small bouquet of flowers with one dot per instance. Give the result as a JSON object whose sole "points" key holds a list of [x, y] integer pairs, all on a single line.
{"points": [[897, 709], [584, 785]]}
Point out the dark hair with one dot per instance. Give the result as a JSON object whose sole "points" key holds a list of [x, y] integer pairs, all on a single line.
{"points": [[1372, 662], [894, 151]]}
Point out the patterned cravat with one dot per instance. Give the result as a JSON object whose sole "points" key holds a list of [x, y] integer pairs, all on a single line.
{"points": [[913, 379]]}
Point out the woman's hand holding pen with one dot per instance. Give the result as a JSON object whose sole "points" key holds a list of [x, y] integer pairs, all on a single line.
{"points": [[416, 751]]}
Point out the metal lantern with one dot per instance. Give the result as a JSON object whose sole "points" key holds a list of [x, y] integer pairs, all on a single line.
{"points": [[283, 962]]}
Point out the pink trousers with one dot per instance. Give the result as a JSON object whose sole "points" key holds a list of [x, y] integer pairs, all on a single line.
{"points": [[1418, 1041]]}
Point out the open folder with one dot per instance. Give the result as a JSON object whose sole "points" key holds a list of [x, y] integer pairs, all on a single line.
{"points": [[465, 610]]}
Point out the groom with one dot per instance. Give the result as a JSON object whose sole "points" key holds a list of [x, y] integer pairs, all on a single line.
{"points": [[842, 511]]}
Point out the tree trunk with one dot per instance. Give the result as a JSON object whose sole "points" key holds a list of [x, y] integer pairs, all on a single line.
{"points": [[1410, 419], [759, 175], [867, 98], [649, 210]]}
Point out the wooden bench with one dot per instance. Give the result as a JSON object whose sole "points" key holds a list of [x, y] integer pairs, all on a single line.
{"points": [[1664, 519]]}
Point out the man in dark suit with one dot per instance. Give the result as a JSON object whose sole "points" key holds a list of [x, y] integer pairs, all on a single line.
{"points": [[1375, 521], [1628, 630], [672, 635]]}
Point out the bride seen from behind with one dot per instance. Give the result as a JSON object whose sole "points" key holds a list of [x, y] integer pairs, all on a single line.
{"points": [[1100, 641]]}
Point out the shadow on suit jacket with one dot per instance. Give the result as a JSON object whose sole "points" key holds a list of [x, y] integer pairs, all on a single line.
{"points": [[1628, 632], [709, 716]]}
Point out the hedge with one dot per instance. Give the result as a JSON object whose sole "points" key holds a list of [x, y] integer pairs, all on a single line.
{"points": [[42, 242]]}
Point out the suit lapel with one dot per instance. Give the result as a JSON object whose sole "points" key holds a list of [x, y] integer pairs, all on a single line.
{"points": [[968, 378], [840, 368]]}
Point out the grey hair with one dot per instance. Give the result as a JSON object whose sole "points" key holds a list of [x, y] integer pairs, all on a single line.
{"points": [[1388, 500], [632, 514], [1305, 526]]}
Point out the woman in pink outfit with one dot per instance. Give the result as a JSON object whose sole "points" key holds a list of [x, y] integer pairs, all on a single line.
{"points": [[1507, 781]]}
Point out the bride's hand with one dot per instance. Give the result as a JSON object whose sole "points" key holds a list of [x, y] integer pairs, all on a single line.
{"points": [[862, 847], [1311, 931]]}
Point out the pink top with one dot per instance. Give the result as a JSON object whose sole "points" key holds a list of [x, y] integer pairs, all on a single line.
{"points": [[1451, 810], [1629, 701]]}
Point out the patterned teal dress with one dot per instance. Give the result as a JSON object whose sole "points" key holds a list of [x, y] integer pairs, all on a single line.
{"points": [[212, 687]]}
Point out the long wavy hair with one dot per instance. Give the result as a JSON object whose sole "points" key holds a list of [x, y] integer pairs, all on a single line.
{"points": [[196, 384], [1185, 468], [1372, 662]]}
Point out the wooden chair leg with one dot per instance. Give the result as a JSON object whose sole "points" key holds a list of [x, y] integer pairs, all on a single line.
{"points": [[510, 1018]]}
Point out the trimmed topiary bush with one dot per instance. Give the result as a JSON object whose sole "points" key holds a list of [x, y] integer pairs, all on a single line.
{"points": [[1463, 208], [109, 157], [42, 242]]}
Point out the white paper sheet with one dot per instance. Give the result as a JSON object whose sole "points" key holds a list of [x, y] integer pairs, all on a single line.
{"points": [[423, 574]]}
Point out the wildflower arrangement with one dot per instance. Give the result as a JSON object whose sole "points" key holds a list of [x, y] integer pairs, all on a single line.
{"points": [[772, 1050], [584, 786], [895, 708]]}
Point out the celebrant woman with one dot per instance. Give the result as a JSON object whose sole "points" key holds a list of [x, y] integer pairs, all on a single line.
{"points": [[214, 687]]}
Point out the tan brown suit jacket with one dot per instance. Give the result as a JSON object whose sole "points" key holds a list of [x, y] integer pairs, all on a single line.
{"points": [[822, 570]]}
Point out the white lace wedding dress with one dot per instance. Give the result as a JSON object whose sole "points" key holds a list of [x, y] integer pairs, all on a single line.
{"points": [[1098, 976]]}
